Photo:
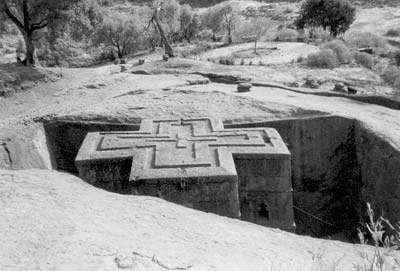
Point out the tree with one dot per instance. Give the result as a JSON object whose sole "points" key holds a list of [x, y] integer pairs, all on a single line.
{"points": [[337, 15], [229, 17], [221, 16], [32, 15], [253, 30], [155, 20], [168, 16], [189, 21], [212, 20], [165, 20], [84, 18], [119, 31]]}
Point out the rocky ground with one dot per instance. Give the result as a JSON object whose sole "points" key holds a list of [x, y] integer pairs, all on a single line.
{"points": [[84, 228]]}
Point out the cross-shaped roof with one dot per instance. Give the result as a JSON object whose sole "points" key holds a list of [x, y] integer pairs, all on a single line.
{"points": [[185, 148]]}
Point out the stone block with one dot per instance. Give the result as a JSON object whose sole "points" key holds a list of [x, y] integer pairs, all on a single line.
{"points": [[244, 87]]}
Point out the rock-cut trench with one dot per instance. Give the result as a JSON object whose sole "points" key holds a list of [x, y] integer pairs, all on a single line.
{"points": [[337, 166]]}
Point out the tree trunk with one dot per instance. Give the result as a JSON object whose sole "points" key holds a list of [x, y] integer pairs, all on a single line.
{"points": [[255, 47], [229, 35], [30, 56], [167, 46], [214, 37], [119, 52]]}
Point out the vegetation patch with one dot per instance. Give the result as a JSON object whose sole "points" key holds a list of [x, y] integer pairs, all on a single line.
{"points": [[366, 40], [340, 49], [326, 58], [365, 60]]}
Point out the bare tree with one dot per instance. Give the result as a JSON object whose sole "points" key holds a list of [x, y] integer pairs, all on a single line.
{"points": [[253, 30]]}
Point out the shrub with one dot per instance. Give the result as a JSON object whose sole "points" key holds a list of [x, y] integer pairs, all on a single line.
{"points": [[1, 45], [392, 76], [335, 15], [340, 49], [386, 239], [325, 58], [4, 28], [287, 34], [366, 39], [320, 35], [396, 57], [227, 61], [197, 50], [300, 59], [380, 66], [393, 32], [14, 31], [364, 59]]}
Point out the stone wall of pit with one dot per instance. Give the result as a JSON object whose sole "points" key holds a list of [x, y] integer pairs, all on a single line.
{"points": [[320, 148]]}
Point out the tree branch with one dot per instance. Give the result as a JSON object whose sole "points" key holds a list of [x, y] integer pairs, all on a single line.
{"points": [[13, 18], [25, 13], [39, 25]]}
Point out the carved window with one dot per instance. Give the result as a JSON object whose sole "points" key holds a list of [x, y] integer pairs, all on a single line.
{"points": [[263, 211]]}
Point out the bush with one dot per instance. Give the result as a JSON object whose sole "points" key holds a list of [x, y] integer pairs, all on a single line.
{"points": [[287, 34], [366, 39], [320, 35], [325, 58], [396, 57], [14, 31], [393, 32], [335, 15], [4, 28], [227, 61], [364, 59], [392, 76], [386, 239], [197, 50], [340, 49], [1, 45]]}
